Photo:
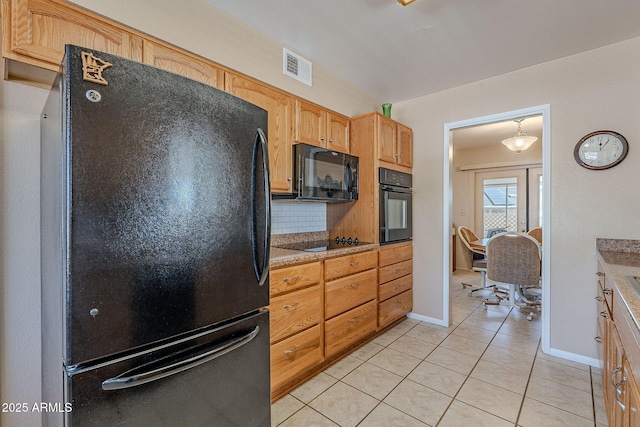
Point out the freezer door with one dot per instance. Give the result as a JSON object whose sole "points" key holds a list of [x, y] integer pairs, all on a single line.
{"points": [[219, 379], [168, 207]]}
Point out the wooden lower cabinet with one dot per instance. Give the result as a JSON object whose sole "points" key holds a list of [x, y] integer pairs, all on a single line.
{"points": [[295, 321], [394, 308], [620, 357], [295, 355], [295, 312], [322, 310], [347, 328], [348, 292], [395, 278]]}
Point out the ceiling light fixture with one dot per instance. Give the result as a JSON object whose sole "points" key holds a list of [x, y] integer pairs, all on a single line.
{"points": [[405, 2], [520, 141]]}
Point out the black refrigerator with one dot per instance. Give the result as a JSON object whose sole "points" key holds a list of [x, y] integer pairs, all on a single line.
{"points": [[155, 222]]}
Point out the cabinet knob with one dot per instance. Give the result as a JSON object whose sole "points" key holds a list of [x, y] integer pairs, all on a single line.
{"points": [[598, 340], [289, 178], [322, 138], [599, 274], [599, 298], [604, 314], [331, 141], [607, 291]]}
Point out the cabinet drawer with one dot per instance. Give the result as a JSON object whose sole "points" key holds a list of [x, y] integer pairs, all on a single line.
{"points": [[395, 287], [295, 355], [351, 291], [349, 264], [290, 278], [348, 328], [394, 254], [294, 312], [394, 308], [395, 271]]}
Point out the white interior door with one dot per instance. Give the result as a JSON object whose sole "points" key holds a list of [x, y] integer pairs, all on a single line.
{"points": [[501, 201]]}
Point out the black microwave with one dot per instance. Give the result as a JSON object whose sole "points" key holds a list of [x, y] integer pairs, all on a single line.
{"points": [[324, 175]]}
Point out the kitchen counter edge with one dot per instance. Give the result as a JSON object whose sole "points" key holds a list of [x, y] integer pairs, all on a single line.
{"points": [[287, 257], [616, 266]]}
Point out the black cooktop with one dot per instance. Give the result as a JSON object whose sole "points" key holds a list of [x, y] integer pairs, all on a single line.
{"points": [[323, 245]]}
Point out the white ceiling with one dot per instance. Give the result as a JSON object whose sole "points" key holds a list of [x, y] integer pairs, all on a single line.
{"points": [[396, 53]]}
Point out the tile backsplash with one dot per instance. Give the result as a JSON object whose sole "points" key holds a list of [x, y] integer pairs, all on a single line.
{"points": [[297, 217]]}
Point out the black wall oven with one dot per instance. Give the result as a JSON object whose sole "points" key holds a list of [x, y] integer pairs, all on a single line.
{"points": [[395, 206]]}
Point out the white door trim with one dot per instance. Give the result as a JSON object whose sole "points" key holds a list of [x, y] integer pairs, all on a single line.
{"points": [[545, 111]]}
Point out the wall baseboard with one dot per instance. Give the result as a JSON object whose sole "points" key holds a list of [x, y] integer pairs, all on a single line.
{"points": [[575, 357], [427, 319]]}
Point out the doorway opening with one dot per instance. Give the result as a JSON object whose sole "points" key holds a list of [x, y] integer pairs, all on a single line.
{"points": [[510, 194]]}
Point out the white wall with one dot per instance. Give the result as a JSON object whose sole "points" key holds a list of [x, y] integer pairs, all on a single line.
{"points": [[194, 25], [594, 90], [20, 249]]}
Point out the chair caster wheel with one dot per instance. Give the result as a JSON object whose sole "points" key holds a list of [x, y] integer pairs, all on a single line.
{"points": [[530, 317]]}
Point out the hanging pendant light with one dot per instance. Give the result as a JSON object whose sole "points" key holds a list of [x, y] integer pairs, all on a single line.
{"points": [[520, 141], [405, 2]]}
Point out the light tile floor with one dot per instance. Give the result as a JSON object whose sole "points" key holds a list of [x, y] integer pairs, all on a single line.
{"points": [[486, 369]]}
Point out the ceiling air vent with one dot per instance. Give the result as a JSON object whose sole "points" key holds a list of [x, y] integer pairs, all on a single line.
{"points": [[293, 65]]}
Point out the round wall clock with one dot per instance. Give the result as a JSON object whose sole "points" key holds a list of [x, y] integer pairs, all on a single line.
{"points": [[602, 149]]}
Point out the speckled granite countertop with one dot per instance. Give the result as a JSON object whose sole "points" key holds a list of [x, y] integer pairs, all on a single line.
{"points": [[285, 257], [620, 258]]}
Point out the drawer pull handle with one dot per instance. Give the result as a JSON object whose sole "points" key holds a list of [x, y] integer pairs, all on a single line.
{"points": [[607, 291], [599, 298], [398, 302], [599, 274], [397, 287], [354, 285], [398, 270], [288, 352], [355, 319], [398, 255], [604, 314], [291, 279], [598, 340], [613, 375], [289, 307], [619, 393], [354, 264]]}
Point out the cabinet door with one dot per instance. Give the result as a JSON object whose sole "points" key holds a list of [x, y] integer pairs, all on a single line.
{"points": [[338, 130], [615, 375], [632, 398], [280, 108], [186, 65], [37, 30], [310, 124], [386, 139], [405, 146]]}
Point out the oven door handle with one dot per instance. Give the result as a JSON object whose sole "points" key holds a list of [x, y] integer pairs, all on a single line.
{"points": [[393, 189]]}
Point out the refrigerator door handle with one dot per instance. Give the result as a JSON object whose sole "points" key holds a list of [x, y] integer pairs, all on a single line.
{"points": [[262, 271], [127, 380]]}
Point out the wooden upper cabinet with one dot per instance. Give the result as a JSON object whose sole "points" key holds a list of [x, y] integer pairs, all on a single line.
{"points": [[310, 124], [386, 139], [182, 63], [405, 146], [280, 107], [338, 130], [319, 127], [38, 30]]}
